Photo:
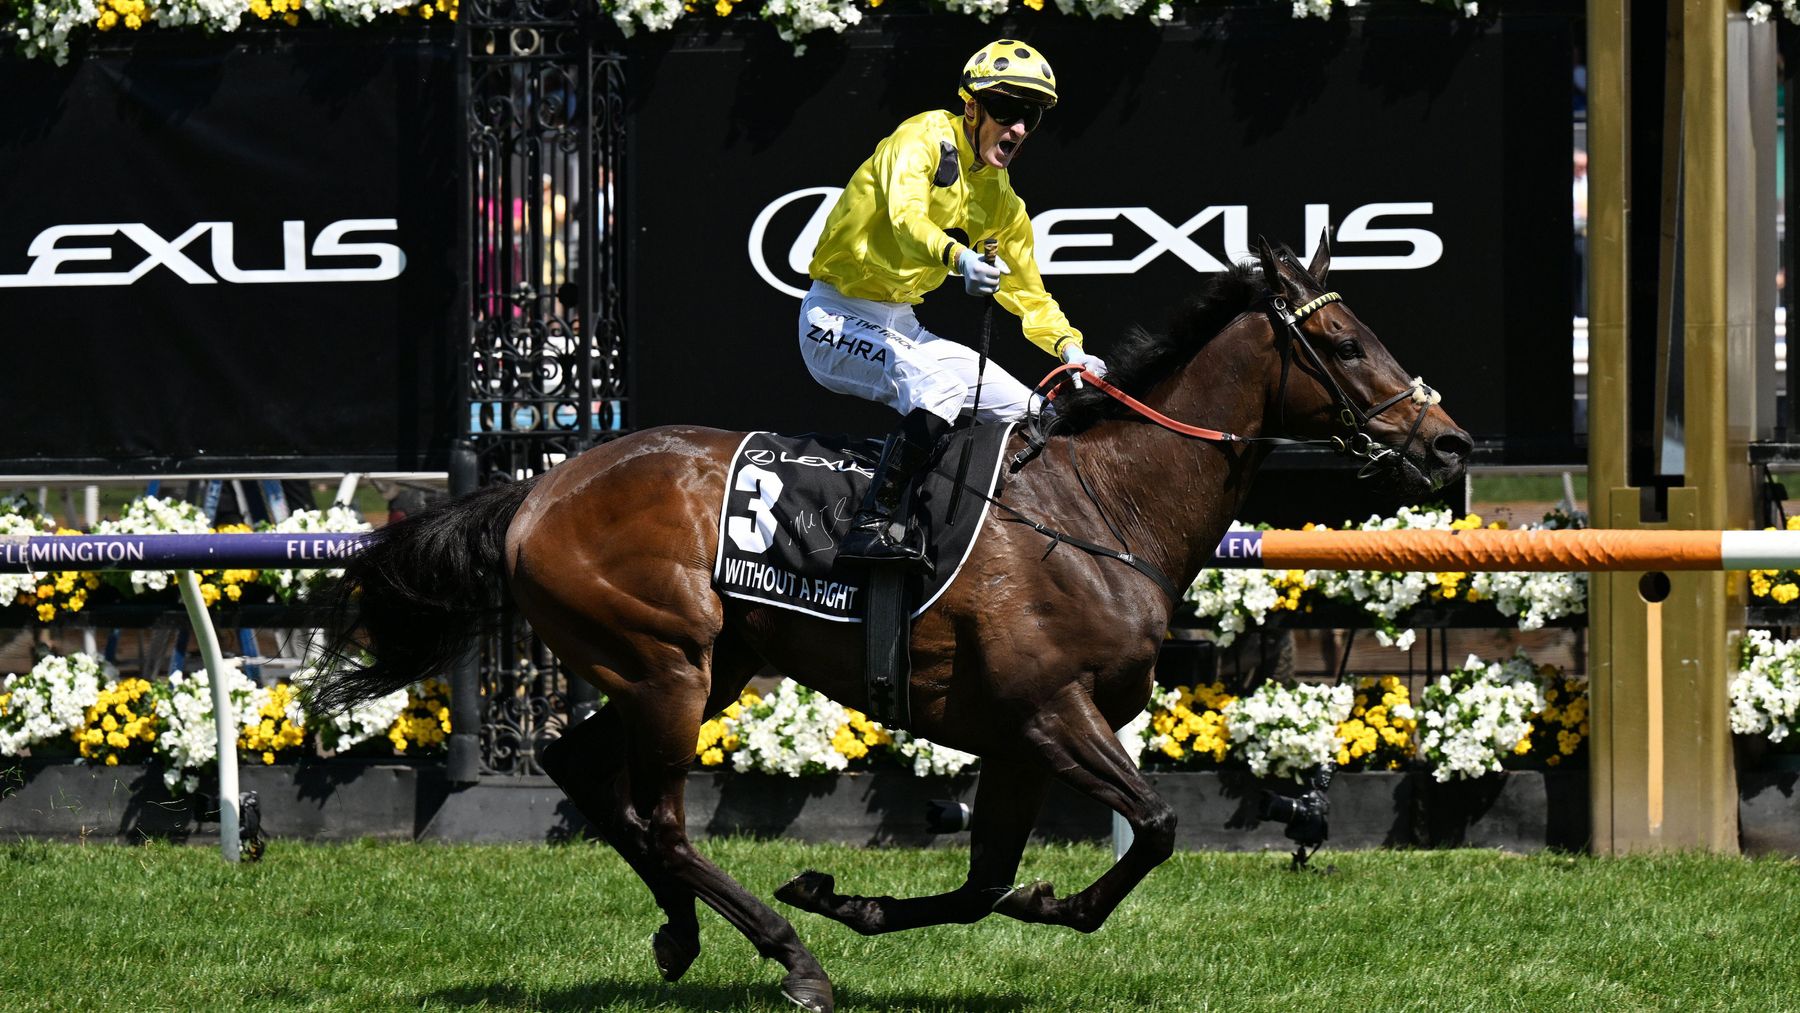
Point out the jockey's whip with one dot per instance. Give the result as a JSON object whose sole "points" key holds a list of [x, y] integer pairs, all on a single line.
{"points": [[988, 248]]}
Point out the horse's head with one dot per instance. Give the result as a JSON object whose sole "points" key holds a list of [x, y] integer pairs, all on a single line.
{"points": [[1335, 379]]}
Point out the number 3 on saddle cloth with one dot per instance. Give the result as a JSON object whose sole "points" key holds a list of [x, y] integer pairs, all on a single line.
{"points": [[790, 500]]}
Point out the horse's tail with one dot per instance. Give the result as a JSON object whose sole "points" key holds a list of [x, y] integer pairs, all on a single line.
{"points": [[413, 602]]}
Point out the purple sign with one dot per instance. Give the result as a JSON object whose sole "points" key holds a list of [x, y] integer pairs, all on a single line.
{"points": [[256, 551], [1238, 550]]}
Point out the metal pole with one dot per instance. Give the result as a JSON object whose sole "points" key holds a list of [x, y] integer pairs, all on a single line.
{"points": [[224, 719], [463, 762]]}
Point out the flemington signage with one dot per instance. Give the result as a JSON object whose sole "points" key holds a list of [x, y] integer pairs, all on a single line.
{"points": [[40, 553], [249, 251], [1437, 149]]}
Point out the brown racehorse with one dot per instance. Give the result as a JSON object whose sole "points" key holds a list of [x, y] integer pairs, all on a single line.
{"points": [[1031, 660]]}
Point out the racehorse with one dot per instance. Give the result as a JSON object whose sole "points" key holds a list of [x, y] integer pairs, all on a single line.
{"points": [[1032, 658]]}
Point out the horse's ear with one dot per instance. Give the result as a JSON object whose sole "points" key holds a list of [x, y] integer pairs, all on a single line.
{"points": [[1280, 281], [1321, 262]]}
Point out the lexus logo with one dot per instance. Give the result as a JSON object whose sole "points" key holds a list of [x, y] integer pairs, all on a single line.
{"points": [[1063, 229], [49, 252]]}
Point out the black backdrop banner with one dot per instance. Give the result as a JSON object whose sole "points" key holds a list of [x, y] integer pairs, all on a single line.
{"points": [[1438, 147], [240, 257]]}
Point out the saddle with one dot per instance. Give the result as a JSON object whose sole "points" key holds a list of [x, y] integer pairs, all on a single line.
{"points": [[788, 501]]}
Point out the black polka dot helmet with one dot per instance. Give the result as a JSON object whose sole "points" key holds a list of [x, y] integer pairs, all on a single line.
{"points": [[1010, 66]]}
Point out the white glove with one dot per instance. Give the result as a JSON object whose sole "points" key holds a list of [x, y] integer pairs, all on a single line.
{"points": [[1073, 355], [979, 276]]}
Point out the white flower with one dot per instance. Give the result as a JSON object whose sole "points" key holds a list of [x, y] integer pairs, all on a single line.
{"points": [[355, 724], [189, 740], [16, 519], [1285, 731], [789, 732], [1765, 693], [1472, 717], [930, 759], [51, 700]]}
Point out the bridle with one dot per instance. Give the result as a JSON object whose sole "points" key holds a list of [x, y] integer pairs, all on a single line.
{"points": [[1356, 442]]}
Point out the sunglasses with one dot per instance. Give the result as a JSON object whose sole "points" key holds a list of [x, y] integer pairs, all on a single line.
{"points": [[1006, 111]]}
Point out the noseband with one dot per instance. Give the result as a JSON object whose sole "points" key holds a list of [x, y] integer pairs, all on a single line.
{"points": [[1356, 441]]}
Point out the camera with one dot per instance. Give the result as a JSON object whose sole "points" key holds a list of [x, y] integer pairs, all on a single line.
{"points": [[1303, 815], [947, 816]]}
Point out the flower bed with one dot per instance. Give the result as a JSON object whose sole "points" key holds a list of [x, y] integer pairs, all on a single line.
{"points": [[51, 28], [1230, 601]]}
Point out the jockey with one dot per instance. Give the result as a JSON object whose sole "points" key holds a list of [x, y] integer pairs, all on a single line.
{"points": [[934, 192]]}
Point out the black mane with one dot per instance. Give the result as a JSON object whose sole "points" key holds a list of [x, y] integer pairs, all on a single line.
{"points": [[1138, 360]]}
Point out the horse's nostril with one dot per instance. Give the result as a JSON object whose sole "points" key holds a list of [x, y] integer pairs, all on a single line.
{"points": [[1453, 446]]}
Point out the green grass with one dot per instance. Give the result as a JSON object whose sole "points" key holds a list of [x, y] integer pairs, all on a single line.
{"points": [[1505, 487], [372, 926]]}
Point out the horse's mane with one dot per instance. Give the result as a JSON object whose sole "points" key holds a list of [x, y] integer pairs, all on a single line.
{"points": [[1141, 358]]}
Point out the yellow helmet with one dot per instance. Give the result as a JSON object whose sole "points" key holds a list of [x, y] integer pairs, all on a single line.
{"points": [[1012, 67]]}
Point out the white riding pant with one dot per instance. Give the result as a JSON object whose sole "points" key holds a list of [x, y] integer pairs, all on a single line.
{"points": [[878, 351]]}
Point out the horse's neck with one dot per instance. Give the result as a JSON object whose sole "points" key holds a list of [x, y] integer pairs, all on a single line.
{"points": [[1176, 495]]}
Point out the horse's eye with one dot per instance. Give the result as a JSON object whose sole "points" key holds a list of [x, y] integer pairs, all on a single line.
{"points": [[1347, 350]]}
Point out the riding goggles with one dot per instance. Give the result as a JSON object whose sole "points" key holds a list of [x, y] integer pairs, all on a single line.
{"points": [[1007, 110]]}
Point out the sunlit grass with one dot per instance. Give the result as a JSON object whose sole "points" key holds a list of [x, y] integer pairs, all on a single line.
{"points": [[560, 928]]}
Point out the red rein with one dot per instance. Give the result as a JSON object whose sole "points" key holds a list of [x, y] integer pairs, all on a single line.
{"points": [[1137, 406]]}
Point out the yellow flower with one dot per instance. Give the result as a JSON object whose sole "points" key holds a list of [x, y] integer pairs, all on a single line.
{"points": [[1784, 593], [1523, 746], [291, 18], [133, 22], [722, 8], [112, 759], [712, 758], [209, 593]]}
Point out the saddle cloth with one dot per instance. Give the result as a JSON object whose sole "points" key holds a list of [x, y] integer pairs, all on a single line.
{"points": [[791, 498]]}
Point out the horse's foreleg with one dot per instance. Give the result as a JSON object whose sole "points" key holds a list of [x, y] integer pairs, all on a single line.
{"points": [[1082, 751], [588, 764], [662, 750], [1007, 799]]}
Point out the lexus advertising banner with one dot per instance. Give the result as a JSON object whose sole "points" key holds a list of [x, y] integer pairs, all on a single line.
{"points": [[1438, 149], [224, 257]]}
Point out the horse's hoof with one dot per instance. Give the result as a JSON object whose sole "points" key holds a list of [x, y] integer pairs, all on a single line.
{"points": [[807, 891], [674, 955], [808, 993]]}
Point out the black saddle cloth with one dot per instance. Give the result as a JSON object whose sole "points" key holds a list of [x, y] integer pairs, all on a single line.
{"points": [[790, 500]]}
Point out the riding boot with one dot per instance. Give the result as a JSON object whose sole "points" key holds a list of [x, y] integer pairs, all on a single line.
{"points": [[877, 534]]}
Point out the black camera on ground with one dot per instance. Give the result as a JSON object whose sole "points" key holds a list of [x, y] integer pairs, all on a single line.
{"points": [[947, 816], [1304, 816]]}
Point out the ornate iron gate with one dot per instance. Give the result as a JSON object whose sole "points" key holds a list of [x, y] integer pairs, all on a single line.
{"points": [[543, 96]]}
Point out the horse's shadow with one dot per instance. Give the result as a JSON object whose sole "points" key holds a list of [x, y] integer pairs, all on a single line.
{"points": [[762, 995]]}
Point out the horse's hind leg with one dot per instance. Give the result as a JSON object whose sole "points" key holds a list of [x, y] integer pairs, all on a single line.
{"points": [[1075, 741], [661, 744], [1007, 799], [588, 764]]}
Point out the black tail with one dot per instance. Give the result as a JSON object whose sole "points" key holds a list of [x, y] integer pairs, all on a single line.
{"points": [[413, 603]]}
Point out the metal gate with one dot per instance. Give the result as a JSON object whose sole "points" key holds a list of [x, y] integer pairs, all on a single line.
{"points": [[542, 89]]}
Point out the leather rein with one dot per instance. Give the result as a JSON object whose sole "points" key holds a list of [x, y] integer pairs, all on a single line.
{"points": [[1356, 442]]}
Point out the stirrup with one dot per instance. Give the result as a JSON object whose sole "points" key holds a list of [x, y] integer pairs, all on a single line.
{"points": [[871, 541]]}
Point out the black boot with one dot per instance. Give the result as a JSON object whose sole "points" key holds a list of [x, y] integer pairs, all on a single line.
{"points": [[876, 534]]}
